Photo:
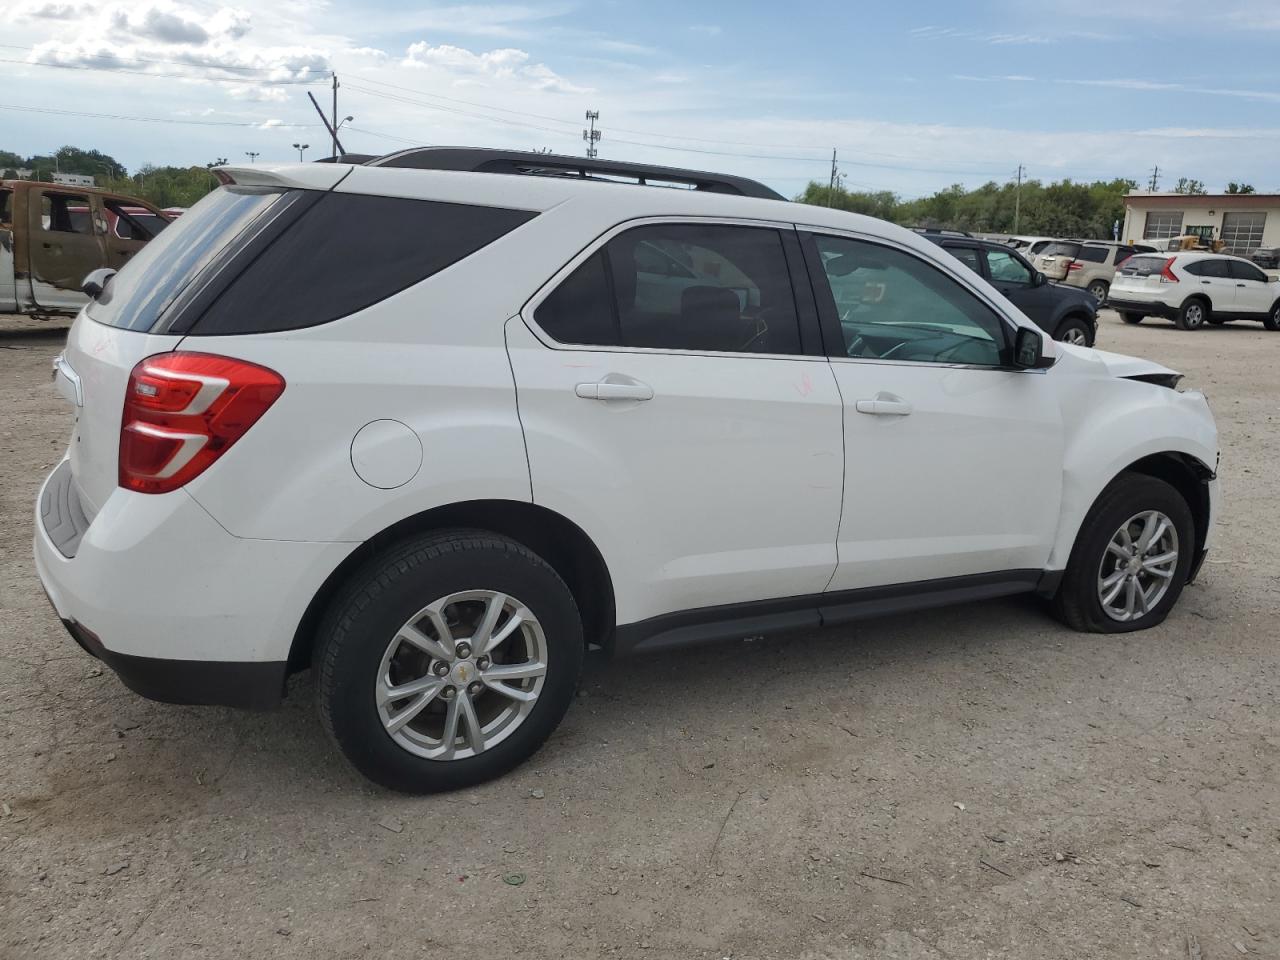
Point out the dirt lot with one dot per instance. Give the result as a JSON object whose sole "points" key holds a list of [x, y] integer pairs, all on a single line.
{"points": [[972, 782]]}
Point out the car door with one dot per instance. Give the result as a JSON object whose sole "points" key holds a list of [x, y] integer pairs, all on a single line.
{"points": [[1014, 277], [1255, 293], [1213, 279], [64, 243], [953, 460], [696, 442]]}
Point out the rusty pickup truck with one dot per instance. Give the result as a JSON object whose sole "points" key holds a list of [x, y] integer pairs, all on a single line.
{"points": [[52, 236]]}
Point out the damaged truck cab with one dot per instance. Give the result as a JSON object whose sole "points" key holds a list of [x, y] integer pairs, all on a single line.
{"points": [[52, 236]]}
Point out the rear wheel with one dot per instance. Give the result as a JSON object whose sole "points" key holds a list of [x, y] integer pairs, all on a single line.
{"points": [[1193, 315], [1217, 321], [1131, 317], [1272, 321], [447, 661], [1075, 330], [1099, 289], [1130, 560]]}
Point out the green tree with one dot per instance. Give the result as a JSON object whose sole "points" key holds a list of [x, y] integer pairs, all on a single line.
{"points": [[1234, 187], [1194, 187]]}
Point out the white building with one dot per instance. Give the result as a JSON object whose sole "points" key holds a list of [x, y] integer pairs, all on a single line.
{"points": [[1245, 221], [73, 179]]}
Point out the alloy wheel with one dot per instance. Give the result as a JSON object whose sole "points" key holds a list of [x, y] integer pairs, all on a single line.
{"points": [[1138, 566], [1077, 336], [461, 675], [1195, 315]]}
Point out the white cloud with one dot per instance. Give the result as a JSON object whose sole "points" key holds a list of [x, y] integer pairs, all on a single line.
{"points": [[506, 64]]}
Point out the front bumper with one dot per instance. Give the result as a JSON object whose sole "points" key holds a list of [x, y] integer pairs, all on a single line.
{"points": [[1148, 308], [182, 610]]}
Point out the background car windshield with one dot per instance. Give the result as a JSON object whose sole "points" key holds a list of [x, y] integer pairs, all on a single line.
{"points": [[1061, 250]]}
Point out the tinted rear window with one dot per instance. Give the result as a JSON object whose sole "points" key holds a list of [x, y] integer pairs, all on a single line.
{"points": [[1061, 250], [1142, 266], [138, 295], [346, 252]]}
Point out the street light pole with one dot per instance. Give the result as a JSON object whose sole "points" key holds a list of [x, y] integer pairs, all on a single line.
{"points": [[300, 147], [253, 155]]}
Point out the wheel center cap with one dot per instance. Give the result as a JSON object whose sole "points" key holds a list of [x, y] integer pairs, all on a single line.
{"points": [[1135, 565], [463, 672]]}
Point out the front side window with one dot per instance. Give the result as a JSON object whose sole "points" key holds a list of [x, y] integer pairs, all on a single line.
{"points": [[1240, 270], [1008, 268], [703, 287], [894, 306]]}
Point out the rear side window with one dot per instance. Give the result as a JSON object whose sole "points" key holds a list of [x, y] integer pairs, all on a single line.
{"points": [[1208, 268], [346, 252], [1093, 254], [1240, 270], [702, 287]]}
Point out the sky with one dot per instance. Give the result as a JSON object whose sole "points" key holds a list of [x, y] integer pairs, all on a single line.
{"points": [[912, 96]]}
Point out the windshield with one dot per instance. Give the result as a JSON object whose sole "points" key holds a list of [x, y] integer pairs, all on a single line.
{"points": [[137, 295]]}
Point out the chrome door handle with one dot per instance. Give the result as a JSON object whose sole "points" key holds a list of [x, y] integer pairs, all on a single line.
{"points": [[884, 406], [606, 390]]}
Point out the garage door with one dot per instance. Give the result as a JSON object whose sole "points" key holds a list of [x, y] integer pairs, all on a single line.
{"points": [[1242, 232], [1163, 225]]}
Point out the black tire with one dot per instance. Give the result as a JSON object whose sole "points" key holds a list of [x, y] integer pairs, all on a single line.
{"points": [[1272, 320], [1217, 321], [1077, 603], [1100, 289], [1131, 317], [382, 596], [1193, 314], [1076, 325]]}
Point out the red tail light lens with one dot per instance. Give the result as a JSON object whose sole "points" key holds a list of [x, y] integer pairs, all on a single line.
{"points": [[1166, 272], [1075, 265], [182, 411]]}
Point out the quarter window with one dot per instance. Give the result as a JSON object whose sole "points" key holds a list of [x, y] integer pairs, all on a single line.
{"points": [[704, 287], [894, 306]]}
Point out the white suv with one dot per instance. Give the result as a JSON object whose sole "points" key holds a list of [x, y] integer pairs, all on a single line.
{"points": [[1193, 289], [435, 424]]}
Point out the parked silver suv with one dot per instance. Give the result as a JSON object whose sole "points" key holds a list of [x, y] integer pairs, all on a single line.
{"points": [[1090, 264]]}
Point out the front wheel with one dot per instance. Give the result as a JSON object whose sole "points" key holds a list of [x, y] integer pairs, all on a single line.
{"points": [[1077, 332], [1130, 560], [447, 661], [1193, 315]]}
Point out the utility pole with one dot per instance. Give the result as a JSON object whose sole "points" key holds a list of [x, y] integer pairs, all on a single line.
{"points": [[1017, 200], [1155, 178], [592, 136], [253, 155], [333, 126], [831, 184]]}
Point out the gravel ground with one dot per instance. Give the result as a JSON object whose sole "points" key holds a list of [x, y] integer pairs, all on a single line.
{"points": [[965, 783]]}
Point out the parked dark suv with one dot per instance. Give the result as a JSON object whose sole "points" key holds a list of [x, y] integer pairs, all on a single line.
{"points": [[1266, 257], [1065, 313]]}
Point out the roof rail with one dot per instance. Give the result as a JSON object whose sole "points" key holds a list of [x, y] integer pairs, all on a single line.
{"points": [[945, 233], [480, 160]]}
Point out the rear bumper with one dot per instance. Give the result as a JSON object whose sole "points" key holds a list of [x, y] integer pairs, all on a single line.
{"points": [[183, 611], [202, 682], [1148, 308]]}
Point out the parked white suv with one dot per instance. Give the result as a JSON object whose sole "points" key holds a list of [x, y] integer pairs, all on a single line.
{"points": [[434, 431], [1193, 289]]}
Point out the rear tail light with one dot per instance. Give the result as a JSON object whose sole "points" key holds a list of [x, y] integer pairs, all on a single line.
{"points": [[1075, 265], [182, 411], [1166, 272], [1120, 263]]}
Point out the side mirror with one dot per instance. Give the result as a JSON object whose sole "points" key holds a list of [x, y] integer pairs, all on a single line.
{"points": [[96, 282], [1028, 349], [1038, 279]]}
